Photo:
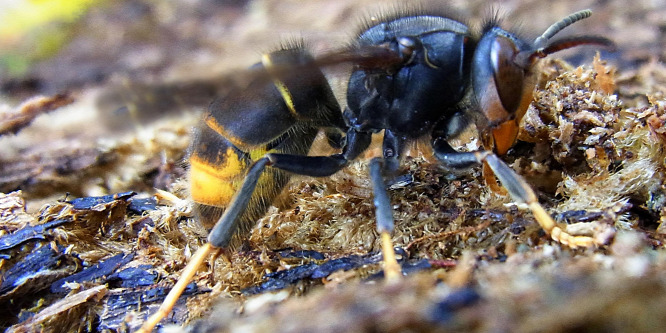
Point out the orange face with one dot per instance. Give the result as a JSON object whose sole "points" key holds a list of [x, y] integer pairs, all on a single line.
{"points": [[503, 88]]}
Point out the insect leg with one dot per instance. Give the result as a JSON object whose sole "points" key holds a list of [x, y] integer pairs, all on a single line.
{"points": [[226, 226], [172, 297], [517, 188], [218, 239], [224, 229], [322, 166], [384, 216], [452, 158], [444, 131], [522, 192]]}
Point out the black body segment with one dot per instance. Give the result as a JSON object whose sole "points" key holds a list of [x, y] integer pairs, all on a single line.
{"points": [[424, 89], [288, 114]]}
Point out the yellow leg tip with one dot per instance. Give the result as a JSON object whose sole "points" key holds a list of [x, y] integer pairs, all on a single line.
{"points": [[392, 270], [556, 233], [177, 290]]}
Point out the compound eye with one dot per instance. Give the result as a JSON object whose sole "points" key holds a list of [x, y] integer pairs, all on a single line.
{"points": [[406, 46], [509, 77]]}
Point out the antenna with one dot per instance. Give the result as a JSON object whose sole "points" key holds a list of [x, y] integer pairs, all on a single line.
{"points": [[541, 41]]}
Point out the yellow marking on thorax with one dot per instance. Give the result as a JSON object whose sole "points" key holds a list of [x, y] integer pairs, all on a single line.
{"points": [[281, 87]]}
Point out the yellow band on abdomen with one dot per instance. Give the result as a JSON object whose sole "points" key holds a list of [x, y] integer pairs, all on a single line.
{"points": [[215, 184]]}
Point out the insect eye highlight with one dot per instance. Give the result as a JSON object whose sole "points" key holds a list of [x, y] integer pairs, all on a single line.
{"points": [[509, 77]]}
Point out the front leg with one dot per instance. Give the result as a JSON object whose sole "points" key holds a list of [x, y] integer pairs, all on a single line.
{"points": [[517, 187]]}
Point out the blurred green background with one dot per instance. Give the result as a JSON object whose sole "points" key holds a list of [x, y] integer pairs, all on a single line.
{"points": [[32, 30]]}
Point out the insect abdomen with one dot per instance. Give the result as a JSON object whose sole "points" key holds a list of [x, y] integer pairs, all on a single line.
{"points": [[218, 168]]}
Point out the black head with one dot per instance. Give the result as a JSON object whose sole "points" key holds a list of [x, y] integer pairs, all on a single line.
{"points": [[502, 84]]}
